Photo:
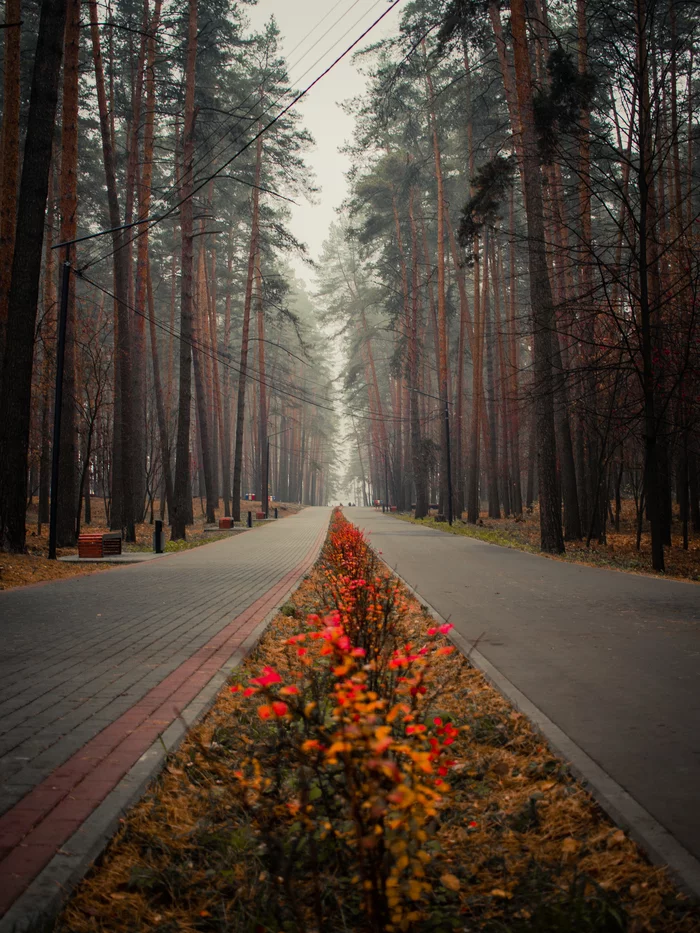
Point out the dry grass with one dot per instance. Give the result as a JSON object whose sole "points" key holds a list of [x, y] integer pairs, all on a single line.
{"points": [[530, 848], [34, 566], [618, 553]]}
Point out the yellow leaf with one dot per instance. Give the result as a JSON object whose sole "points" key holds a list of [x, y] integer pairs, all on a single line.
{"points": [[499, 892], [414, 890], [450, 881]]}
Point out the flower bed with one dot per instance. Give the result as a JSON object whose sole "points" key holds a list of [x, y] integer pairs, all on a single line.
{"points": [[360, 775]]}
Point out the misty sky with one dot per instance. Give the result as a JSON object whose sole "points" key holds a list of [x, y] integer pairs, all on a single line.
{"points": [[344, 21]]}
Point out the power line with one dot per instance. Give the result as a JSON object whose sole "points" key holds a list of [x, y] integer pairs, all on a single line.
{"points": [[223, 360], [295, 100]]}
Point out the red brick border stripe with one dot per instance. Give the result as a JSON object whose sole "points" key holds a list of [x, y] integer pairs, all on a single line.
{"points": [[32, 831]]}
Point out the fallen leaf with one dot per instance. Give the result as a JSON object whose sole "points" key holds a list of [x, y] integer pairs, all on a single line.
{"points": [[499, 892], [450, 881], [617, 838]]}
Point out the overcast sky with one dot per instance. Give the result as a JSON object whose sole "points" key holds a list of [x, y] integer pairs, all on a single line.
{"points": [[314, 33]]}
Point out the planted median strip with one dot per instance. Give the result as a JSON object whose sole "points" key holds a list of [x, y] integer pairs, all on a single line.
{"points": [[358, 774]]}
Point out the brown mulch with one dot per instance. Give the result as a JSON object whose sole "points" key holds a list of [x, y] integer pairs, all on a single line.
{"points": [[518, 831]]}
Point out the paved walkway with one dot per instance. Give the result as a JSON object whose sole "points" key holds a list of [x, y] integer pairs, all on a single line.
{"points": [[93, 669], [613, 659]]}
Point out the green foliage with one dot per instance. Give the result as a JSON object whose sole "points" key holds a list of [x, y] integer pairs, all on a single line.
{"points": [[558, 107], [491, 184]]}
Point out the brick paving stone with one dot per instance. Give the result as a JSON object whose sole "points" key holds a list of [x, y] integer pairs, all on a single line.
{"points": [[125, 653]]}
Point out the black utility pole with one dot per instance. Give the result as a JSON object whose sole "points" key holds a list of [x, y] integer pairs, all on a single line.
{"points": [[449, 463], [58, 403]]}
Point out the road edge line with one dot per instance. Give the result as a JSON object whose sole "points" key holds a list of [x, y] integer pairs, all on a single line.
{"points": [[661, 847], [36, 909]]}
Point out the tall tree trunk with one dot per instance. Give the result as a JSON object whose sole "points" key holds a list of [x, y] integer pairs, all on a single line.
{"points": [[16, 384], [160, 404], [420, 477], [134, 184], [514, 382], [245, 337], [144, 296], [200, 335], [647, 260], [10, 155], [542, 310], [68, 491], [122, 515], [490, 429], [182, 493], [263, 413], [226, 427], [49, 340], [473, 472], [441, 309]]}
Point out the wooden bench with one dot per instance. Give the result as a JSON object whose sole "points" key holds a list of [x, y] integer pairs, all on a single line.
{"points": [[99, 544]]}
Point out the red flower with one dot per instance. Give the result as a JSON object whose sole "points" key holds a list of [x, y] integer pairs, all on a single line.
{"points": [[269, 676]]}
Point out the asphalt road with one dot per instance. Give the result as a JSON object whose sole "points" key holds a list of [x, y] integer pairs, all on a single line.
{"points": [[611, 658]]}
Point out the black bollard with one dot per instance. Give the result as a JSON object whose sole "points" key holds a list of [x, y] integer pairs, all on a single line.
{"points": [[250, 519], [158, 542], [276, 515]]}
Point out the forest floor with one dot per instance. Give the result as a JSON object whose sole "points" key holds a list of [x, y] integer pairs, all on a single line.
{"points": [[520, 844], [619, 552], [35, 567]]}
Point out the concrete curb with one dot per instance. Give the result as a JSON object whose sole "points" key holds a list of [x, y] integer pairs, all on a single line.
{"points": [[36, 909], [660, 846]]}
